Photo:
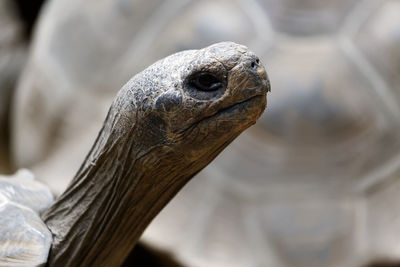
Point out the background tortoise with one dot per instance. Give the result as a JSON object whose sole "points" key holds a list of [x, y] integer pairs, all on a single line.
{"points": [[165, 125], [330, 142]]}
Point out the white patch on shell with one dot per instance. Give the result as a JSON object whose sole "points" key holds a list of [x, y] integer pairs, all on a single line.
{"points": [[22, 188], [24, 238]]}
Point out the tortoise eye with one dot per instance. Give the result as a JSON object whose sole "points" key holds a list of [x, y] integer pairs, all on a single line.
{"points": [[205, 82]]}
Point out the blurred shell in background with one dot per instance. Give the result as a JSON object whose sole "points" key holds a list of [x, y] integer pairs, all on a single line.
{"points": [[314, 183], [12, 56]]}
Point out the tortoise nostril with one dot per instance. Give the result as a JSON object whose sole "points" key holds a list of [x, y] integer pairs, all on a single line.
{"points": [[255, 63]]}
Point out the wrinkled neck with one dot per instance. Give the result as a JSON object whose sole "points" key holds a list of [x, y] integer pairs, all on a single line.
{"points": [[114, 196], [122, 185]]}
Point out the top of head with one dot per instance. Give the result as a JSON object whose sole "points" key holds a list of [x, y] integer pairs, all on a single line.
{"points": [[193, 98]]}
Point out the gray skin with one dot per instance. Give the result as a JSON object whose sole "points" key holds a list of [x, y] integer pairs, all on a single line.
{"points": [[165, 125]]}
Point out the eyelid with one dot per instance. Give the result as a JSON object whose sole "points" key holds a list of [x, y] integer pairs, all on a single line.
{"points": [[213, 91], [205, 81]]}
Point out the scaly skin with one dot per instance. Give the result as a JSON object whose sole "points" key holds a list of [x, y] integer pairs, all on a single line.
{"points": [[165, 125]]}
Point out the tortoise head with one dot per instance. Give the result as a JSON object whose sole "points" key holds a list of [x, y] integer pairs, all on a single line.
{"points": [[166, 124], [195, 102]]}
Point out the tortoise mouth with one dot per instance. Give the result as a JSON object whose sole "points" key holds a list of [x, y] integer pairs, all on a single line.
{"points": [[239, 106], [238, 113]]}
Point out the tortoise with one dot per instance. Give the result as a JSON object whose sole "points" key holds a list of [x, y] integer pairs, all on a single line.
{"points": [[165, 125], [330, 136]]}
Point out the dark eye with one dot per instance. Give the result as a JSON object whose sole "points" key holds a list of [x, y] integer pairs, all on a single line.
{"points": [[205, 82]]}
